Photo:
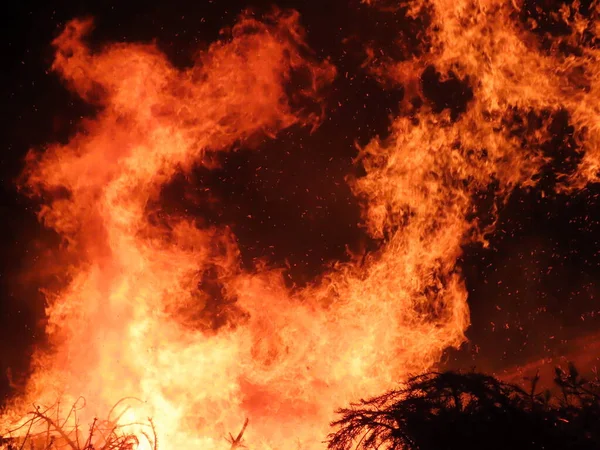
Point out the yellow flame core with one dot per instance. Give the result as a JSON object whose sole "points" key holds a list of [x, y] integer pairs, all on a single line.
{"points": [[119, 328]]}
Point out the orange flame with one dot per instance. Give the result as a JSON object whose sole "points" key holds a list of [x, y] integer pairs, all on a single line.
{"points": [[289, 359]]}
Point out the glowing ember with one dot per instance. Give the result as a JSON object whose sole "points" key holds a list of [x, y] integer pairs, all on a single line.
{"points": [[284, 359]]}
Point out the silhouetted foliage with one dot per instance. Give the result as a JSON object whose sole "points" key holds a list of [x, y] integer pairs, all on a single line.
{"points": [[449, 410]]}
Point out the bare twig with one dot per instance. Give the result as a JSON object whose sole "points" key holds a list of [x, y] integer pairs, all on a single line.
{"points": [[58, 429], [237, 441]]}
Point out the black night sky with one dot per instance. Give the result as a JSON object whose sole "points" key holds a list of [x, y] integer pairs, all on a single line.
{"points": [[533, 294]]}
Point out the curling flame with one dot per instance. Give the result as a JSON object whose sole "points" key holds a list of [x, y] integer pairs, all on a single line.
{"points": [[284, 359]]}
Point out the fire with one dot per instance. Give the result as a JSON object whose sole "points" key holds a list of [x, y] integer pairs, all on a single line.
{"points": [[285, 359]]}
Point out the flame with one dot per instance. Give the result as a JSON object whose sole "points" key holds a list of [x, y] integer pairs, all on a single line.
{"points": [[286, 359]]}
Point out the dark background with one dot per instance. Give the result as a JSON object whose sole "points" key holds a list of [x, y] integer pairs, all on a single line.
{"points": [[533, 293]]}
